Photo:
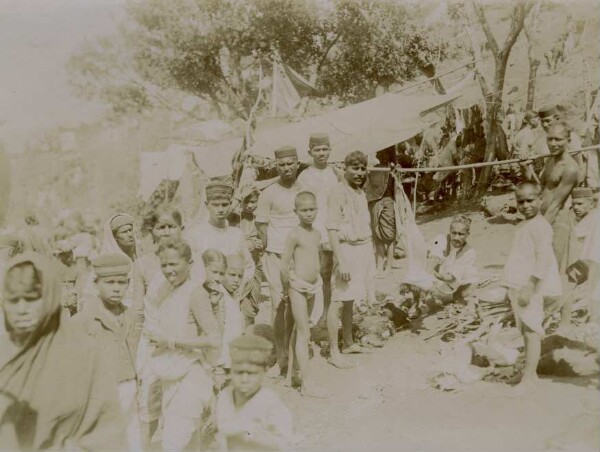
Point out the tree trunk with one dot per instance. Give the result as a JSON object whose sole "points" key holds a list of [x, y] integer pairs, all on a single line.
{"points": [[494, 106], [531, 84]]}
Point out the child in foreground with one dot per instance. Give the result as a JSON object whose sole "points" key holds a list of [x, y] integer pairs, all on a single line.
{"points": [[250, 416], [530, 274], [301, 279]]}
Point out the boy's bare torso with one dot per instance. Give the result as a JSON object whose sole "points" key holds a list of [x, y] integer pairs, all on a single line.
{"points": [[306, 254]]}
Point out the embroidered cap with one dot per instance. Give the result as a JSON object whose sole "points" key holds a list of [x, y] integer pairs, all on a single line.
{"points": [[112, 264], [286, 151], [250, 348]]}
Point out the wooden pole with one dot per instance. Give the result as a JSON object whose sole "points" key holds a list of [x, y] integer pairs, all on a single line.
{"points": [[480, 164]]}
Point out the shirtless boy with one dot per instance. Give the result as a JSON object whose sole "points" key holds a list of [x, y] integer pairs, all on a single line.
{"points": [[302, 280], [559, 178]]}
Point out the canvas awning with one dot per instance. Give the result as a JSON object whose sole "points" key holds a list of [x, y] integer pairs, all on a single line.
{"points": [[367, 126]]}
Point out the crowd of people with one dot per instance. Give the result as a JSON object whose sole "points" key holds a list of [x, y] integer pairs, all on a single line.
{"points": [[158, 344]]}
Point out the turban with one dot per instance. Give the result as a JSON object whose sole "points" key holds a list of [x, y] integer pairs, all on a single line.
{"points": [[251, 349], [120, 220], [286, 151], [113, 264], [216, 188], [548, 111], [318, 139], [582, 192]]}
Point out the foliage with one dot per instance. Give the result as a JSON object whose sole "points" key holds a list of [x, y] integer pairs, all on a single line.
{"points": [[213, 49]]}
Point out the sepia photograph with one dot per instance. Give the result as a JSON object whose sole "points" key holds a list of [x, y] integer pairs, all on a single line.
{"points": [[299, 225]]}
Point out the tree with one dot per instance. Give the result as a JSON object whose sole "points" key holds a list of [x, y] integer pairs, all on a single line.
{"points": [[473, 13], [212, 49]]}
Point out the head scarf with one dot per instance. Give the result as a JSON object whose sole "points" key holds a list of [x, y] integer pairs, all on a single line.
{"points": [[54, 393], [109, 242]]}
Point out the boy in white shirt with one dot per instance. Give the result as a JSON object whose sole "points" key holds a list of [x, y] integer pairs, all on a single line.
{"points": [[531, 273]]}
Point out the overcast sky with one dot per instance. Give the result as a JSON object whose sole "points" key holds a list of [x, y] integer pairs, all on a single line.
{"points": [[36, 39]]}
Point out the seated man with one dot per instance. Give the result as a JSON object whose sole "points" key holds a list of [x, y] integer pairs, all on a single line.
{"points": [[451, 267]]}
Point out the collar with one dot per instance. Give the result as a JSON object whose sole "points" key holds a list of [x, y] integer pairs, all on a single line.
{"points": [[103, 315]]}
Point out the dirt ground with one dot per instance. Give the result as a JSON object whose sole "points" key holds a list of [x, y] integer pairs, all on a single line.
{"points": [[386, 400]]}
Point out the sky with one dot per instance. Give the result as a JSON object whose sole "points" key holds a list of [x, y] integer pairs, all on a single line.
{"points": [[37, 38]]}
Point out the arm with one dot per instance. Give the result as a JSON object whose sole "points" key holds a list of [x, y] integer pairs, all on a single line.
{"points": [[567, 183], [263, 211], [286, 260], [245, 252], [334, 217]]}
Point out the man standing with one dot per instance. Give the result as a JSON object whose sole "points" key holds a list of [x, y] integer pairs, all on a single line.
{"points": [[321, 179], [217, 234], [559, 178], [275, 218]]}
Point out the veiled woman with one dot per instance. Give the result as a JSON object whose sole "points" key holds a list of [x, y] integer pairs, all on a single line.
{"points": [[120, 236], [55, 392]]}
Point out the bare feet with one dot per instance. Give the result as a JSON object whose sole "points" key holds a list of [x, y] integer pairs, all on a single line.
{"points": [[339, 362], [313, 391], [274, 372], [355, 349], [527, 385]]}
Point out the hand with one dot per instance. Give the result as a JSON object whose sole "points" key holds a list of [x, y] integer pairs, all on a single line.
{"points": [[525, 296], [343, 270], [157, 336], [258, 244]]}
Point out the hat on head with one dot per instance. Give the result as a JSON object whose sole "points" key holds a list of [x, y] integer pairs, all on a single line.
{"points": [[218, 188], [582, 192], [120, 220], [112, 264], [318, 139], [547, 111], [286, 151], [251, 349]]}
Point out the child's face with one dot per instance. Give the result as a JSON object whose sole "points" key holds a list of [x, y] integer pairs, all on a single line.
{"points": [[247, 378], [165, 228], [218, 209], [175, 267], [320, 154], [356, 175], [582, 206], [306, 209], [458, 234], [111, 289], [250, 204], [529, 201], [233, 277], [215, 272]]}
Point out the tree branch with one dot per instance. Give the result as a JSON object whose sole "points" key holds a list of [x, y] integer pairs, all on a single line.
{"points": [[485, 25], [329, 47], [516, 25]]}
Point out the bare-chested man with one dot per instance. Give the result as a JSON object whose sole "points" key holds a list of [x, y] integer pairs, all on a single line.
{"points": [[559, 178]]}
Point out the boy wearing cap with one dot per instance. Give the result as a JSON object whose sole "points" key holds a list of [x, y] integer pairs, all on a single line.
{"points": [[116, 330], [584, 255], [249, 415], [349, 227], [217, 234], [275, 219], [320, 179]]}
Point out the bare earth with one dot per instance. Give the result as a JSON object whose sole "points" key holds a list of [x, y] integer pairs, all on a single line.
{"points": [[387, 402]]}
